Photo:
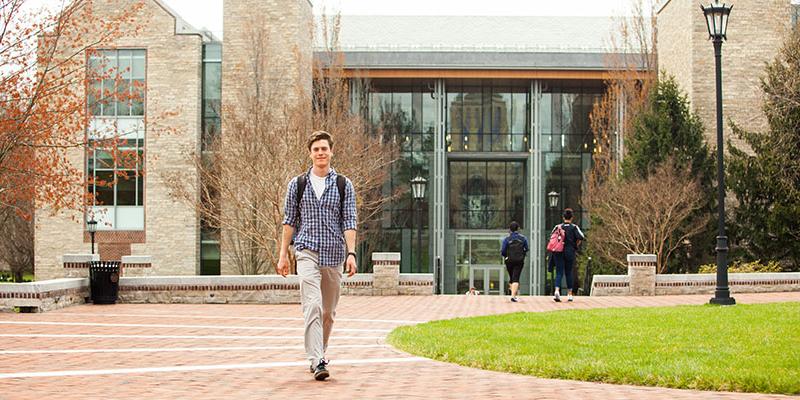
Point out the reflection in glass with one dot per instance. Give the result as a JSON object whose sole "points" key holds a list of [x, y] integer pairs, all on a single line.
{"points": [[477, 280], [567, 145], [126, 189], [483, 116], [405, 112], [484, 195]]}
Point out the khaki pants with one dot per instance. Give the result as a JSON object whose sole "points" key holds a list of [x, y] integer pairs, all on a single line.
{"points": [[319, 295]]}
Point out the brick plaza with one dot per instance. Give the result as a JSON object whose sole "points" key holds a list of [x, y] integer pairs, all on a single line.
{"points": [[160, 351]]}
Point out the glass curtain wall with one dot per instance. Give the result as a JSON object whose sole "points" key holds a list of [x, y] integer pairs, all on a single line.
{"points": [[404, 111], [566, 146], [487, 142], [487, 116], [487, 137]]}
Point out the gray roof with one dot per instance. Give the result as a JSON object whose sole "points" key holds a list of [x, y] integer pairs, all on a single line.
{"points": [[476, 33], [475, 60], [475, 42]]}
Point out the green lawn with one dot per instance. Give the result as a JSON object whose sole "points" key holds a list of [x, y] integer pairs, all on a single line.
{"points": [[747, 348]]}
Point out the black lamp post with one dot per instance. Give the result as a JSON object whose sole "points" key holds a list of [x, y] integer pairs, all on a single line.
{"points": [[717, 15], [552, 201], [91, 226], [418, 192]]}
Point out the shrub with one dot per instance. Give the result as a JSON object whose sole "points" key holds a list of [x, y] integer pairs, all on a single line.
{"points": [[739, 267]]}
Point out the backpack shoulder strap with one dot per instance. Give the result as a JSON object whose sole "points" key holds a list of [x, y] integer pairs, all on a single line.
{"points": [[301, 187], [341, 181]]}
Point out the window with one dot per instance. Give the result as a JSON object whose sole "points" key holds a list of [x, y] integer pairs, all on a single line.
{"points": [[115, 99], [406, 112], [566, 145], [212, 93], [486, 194], [487, 116], [795, 12], [212, 127], [116, 181], [116, 83]]}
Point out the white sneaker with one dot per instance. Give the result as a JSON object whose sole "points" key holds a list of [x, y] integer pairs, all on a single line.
{"points": [[557, 297], [569, 298]]}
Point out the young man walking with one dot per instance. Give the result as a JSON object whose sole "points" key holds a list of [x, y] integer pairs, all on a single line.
{"points": [[322, 211], [515, 247]]}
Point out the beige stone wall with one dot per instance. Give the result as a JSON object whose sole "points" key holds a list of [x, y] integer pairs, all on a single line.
{"points": [[674, 24], [680, 284], [252, 29], [173, 68], [755, 33], [277, 32]]}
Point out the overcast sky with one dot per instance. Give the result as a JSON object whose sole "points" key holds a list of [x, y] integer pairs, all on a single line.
{"points": [[208, 13]]}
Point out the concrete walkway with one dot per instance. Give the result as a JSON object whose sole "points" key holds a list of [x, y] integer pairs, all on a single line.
{"points": [[156, 351]]}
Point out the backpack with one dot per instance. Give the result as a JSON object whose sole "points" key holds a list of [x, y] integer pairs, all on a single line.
{"points": [[556, 243], [515, 251], [340, 183]]}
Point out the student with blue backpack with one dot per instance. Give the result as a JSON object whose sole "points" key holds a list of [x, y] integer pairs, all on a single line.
{"points": [[515, 247], [563, 246]]}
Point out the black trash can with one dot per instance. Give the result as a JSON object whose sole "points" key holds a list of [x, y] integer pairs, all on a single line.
{"points": [[104, 281]]}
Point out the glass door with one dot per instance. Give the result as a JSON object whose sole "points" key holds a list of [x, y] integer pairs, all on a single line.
{"points": [[488, 279], [479, 263]]}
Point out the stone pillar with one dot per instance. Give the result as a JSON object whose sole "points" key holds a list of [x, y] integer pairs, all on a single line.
{"points": [[385, 274], [642, 274]]}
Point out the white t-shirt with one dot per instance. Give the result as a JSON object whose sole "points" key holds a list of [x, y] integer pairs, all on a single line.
{"points": [[318, 183]]}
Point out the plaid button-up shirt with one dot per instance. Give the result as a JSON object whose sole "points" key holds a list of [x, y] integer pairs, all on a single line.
{"points": [[319, 227]]}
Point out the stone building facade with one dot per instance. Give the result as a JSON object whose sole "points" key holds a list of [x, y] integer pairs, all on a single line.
{"points": [[756, 31], [159, 227], [171, 55]]}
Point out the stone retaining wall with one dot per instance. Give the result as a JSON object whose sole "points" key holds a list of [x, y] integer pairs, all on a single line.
{"points": [[226, 289], [259, 289], [643, 281], [738, 283], [43, 296]]}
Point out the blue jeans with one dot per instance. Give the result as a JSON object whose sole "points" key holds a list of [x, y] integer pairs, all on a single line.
{"points": [[565, 261]]}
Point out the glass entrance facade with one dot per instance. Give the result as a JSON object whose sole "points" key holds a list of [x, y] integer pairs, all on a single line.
{"points": [[478, 262], [490, 149]]}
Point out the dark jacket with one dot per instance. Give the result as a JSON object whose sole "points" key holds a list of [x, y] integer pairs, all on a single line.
{"points": [[572, 234], [513, 235]]}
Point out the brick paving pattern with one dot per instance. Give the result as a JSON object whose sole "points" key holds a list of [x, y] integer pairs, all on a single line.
{"points": [[161, 351]]}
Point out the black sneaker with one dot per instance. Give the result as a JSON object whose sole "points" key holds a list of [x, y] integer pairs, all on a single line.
{"points": [[320, 372], [313, 367]]}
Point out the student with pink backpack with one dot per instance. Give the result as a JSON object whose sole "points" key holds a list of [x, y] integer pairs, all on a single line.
{"points": [[563, 246]]}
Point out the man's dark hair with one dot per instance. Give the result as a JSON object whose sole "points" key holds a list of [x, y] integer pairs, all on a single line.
{"points": [[513, 226], [320, 135], [568, 213]]}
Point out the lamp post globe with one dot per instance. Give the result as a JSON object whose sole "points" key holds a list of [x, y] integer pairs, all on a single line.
{"points": [[552, 199], [418, 187], [717, 15], [91, 226]]}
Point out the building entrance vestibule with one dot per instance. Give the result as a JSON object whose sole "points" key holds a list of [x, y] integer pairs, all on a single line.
{"points": [[479, 263]]}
